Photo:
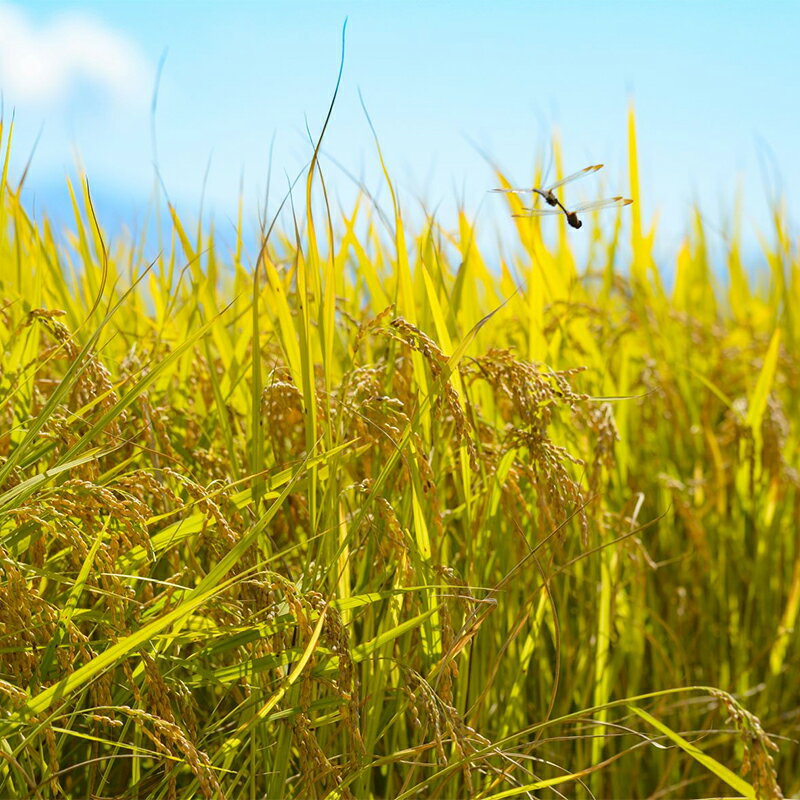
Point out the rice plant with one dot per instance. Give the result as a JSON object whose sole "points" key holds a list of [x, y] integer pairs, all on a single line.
{"points": [[373, 513]]}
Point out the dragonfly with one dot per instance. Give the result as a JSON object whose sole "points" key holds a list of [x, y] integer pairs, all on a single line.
{"points": [[549, 192], [558, 207], [572, 216]]}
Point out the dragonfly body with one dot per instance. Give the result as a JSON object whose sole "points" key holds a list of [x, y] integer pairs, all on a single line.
{"points": [[548, 195]]}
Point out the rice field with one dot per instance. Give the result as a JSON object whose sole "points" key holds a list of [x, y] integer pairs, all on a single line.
{"points": [[374, 512]]}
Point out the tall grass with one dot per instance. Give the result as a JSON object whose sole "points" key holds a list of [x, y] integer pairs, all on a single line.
{"points": [[369, 517]]}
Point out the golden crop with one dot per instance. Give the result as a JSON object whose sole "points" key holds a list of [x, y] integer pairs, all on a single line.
{"points": [[377, 514]]}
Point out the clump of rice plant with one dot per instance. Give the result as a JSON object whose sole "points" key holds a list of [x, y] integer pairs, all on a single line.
{"points": [[365, 517]]}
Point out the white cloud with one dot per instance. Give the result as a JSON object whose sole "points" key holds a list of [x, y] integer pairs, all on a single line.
{"points": [[45, 64]]}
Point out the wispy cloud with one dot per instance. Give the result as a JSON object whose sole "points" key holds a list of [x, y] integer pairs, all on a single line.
{"points": [[47, 63]]}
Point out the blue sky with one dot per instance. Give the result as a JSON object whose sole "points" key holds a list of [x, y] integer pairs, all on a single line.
{"points": [[713, 85]]}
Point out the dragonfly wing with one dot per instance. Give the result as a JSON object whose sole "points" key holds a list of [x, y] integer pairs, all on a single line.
{"points": [[514, 191], [538, 212], [596, 205], [574, 176]]}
